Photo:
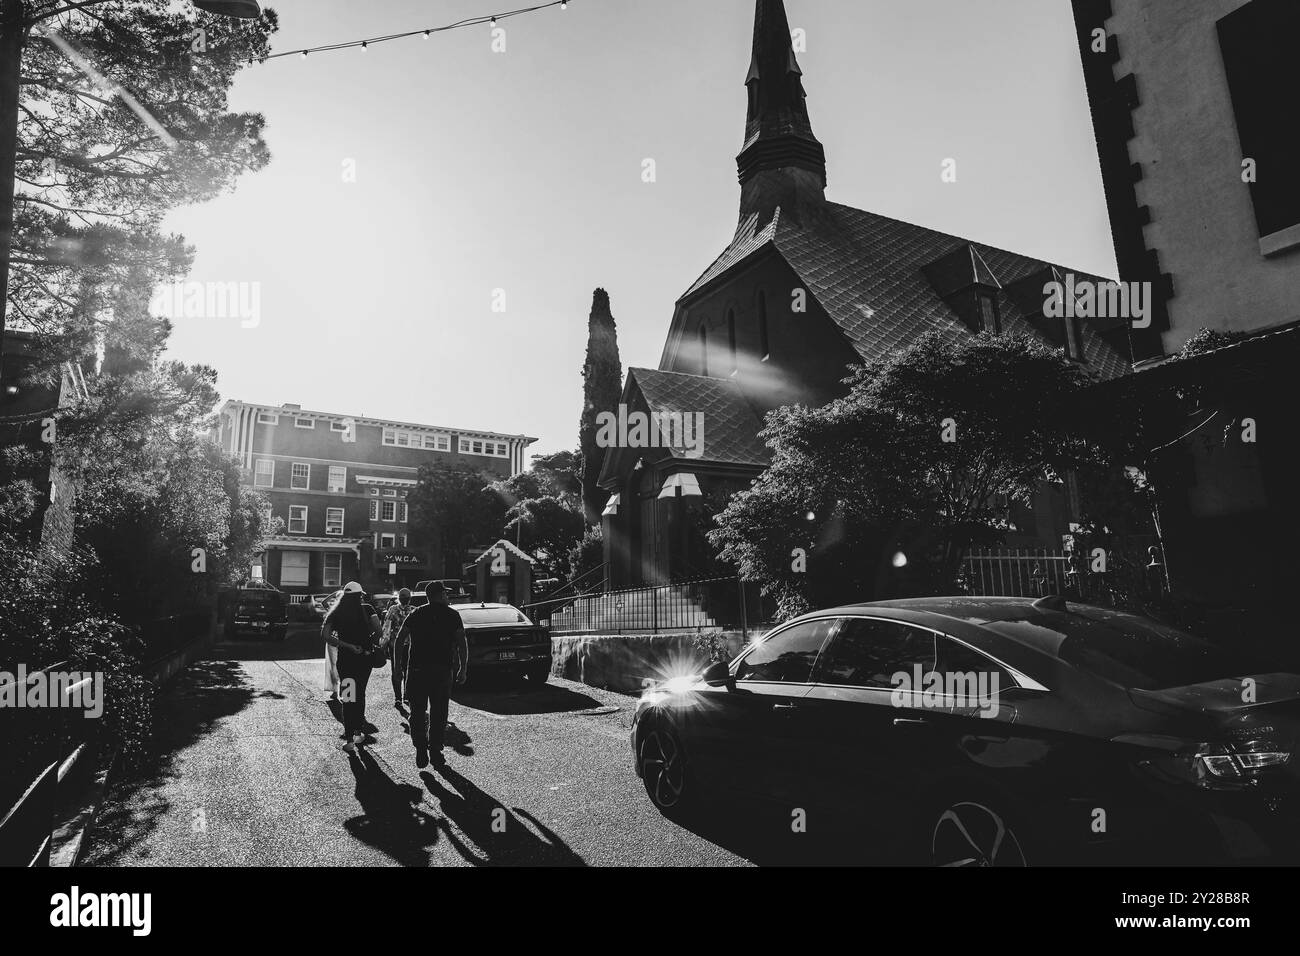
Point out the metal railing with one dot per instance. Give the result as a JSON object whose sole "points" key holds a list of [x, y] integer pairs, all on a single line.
{"points": [[708, 604], [1006, 572], [41, 745]]}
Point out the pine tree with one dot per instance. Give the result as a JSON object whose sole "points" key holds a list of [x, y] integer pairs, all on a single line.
{"points": [[602, 385]]}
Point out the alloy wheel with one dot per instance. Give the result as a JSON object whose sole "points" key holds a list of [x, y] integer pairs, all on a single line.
{"points": [[971, 834], [662, 768]]}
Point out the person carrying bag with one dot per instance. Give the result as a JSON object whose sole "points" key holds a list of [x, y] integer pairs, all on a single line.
{"points": [[353, 627]]}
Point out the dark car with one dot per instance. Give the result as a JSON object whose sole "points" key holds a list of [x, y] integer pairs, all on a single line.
{"points": [[502, 640], [1048, 732], [259, 612]]}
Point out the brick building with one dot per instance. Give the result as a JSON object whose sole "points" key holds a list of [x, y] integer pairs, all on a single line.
{"points": [[339, 485]]}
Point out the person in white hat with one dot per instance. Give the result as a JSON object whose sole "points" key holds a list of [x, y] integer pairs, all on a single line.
{"points": [[353, 627]]}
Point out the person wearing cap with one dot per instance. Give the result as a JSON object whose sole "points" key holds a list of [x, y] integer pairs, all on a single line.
{"points": [[353, 627], [397, 645], [436, 638]]}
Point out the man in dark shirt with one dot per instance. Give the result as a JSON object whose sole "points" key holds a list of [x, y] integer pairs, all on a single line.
{"points": [[433, 634]]}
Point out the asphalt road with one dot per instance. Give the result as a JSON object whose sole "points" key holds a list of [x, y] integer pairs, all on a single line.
{"points": [[250, 771]]}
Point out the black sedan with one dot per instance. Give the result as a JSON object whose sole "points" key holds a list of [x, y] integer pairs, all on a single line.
{"points": [[991, 731], [503, 640]]}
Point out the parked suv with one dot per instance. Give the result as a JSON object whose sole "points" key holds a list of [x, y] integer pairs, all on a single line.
{"points": [[262, 611]]}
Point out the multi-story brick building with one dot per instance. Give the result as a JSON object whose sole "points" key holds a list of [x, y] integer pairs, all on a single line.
{"points": [[339, 485]]}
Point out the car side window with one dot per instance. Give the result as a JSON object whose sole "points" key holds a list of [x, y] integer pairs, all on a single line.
{"points": [[957, 658], [787, 657], [868, 653]]}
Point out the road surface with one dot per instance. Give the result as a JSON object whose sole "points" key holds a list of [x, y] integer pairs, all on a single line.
{"points": [[251, 772]]}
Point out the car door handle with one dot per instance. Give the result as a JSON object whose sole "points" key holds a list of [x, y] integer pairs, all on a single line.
{"points": [[910, 722], [785, 708]]}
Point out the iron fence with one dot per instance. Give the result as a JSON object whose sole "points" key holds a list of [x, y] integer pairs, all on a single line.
{"points": [[718, 603], [1006, 572]]}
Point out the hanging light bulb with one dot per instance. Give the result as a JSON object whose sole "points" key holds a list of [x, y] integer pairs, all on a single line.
{"points": [[303, 54], [426, 34], [364, 46], [564, 4], [493, 21]]}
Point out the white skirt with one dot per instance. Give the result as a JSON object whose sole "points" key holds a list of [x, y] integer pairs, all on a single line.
{"points": [[332, 669]]}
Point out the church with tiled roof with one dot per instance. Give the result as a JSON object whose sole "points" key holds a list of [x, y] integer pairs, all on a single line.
{"points": [[805, 289]]}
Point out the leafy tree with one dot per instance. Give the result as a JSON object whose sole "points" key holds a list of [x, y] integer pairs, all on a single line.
{"points": [[587, 555], [602, 377], [456, 509], [921, 458], [547, 527], [95, 178]]}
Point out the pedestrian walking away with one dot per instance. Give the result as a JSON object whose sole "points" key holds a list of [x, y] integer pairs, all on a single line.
{"points": [[354, 628], [398, 645], [436, 635]]}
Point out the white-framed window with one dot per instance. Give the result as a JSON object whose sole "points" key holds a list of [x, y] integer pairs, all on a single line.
{"points": [[304, 423], [300, 477], [334, 521], [389, 511], [375, 492], [401, 540], [268, 418], [298, 519], [387, 540], [333, 576], [263, 473], [375, 537], [390, 436], [390, 492], [294, 568], [476, 446], [374, 510], [338, 480], [401, 511], [437, 442], [403, 439], [338, 427]]}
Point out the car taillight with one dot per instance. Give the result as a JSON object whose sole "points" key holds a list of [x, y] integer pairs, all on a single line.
{"points": [[1211, 765]]}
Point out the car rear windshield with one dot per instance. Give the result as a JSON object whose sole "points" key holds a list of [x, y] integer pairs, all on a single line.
{"points": [[1128, 650], [492, 615]]}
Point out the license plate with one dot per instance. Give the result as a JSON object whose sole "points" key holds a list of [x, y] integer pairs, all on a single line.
{"points": [[506, 656], [261, 624]]}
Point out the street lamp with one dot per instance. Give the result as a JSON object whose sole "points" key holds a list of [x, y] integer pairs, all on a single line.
{"points": [[14, 25]]}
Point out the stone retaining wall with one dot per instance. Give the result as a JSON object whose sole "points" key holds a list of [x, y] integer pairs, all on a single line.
{"points": [[626, 662]]}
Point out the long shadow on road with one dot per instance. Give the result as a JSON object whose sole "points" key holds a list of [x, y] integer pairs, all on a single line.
{"points": [[497, 698], [767, 836], [203, 695], [500, 836], [392, 820]]}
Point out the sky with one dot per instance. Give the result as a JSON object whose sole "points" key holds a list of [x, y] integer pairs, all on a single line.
{"points": [[417, 185]]}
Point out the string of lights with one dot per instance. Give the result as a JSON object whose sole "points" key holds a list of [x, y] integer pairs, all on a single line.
{"points": [[490, 19]]}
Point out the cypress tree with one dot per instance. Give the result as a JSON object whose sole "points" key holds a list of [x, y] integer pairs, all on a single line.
{"points": [[602, 386]]}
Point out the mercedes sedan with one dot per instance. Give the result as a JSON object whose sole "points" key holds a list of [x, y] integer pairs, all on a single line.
{"points": [[988, 732]]}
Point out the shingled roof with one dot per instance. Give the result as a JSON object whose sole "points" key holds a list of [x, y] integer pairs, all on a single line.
{"points": [[868, 272], [730, 425]]}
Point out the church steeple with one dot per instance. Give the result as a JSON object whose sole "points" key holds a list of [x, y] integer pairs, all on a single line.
{"points": [[782, 163]]}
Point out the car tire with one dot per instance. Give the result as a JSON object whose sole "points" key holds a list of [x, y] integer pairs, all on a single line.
{"points": [[661, 760], [973, 829]]}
